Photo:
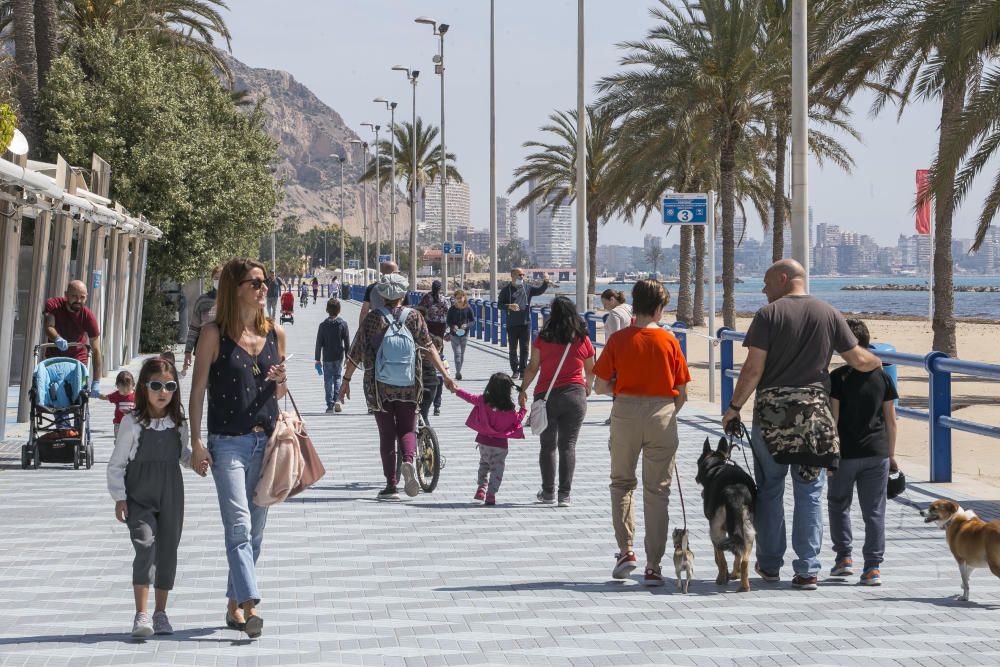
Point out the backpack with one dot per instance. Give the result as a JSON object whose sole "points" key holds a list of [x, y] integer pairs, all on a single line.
{"points": [[396, 359]]}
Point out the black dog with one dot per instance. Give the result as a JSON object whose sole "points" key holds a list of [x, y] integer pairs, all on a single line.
{"points": [[729, 494]]}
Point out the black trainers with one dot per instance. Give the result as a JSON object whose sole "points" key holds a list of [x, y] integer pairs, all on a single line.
{"points": [[388, 493], [767, 576], [804, 582]]}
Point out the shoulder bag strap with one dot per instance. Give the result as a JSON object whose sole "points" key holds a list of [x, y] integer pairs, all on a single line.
{"points": [[558, 369], [288, 395]]}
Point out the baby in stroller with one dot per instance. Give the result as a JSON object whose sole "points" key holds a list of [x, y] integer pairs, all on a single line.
{"points": [[287, 307]]}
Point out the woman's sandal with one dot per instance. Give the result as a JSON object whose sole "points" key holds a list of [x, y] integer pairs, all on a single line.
{"points": [[232, 623], [254, 626]]}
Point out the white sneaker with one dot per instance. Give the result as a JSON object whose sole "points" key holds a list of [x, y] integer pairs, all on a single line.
{"points": [[410, 484], [142, 626], [338, 407]]}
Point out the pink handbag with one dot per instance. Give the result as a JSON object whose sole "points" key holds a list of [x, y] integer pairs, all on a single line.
{"points": [[312, 468], [283, 462]]}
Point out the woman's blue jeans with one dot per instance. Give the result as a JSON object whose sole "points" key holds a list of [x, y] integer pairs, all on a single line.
{"points": [[236, 465]]}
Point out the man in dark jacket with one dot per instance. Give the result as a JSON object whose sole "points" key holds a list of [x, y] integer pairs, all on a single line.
{"points": [[515, 298], [332, 341]]}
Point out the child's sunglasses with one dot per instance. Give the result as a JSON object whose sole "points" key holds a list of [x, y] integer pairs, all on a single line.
{"points": [[156, 385]]}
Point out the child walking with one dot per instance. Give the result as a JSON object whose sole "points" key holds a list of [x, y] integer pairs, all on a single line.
{"points": [[145, 482], [123, 397], [495, 419], [863, 408], [332, 342]]}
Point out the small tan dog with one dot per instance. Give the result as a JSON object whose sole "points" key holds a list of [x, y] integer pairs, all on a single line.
{"points": [[683, 559], [973, 542]]}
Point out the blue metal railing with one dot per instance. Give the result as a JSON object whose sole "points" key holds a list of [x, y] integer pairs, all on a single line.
{"points": [[939, 366]]}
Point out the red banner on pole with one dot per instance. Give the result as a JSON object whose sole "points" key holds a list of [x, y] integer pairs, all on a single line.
{"points": [[923, 202]]}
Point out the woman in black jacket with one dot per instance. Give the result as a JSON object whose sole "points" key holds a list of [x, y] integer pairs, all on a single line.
{"points": [[460, 321]]}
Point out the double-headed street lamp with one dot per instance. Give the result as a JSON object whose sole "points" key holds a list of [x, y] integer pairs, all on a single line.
{"points": [[411, 76], [378, 218], [364, 205], [391, 106], [439, 31]]}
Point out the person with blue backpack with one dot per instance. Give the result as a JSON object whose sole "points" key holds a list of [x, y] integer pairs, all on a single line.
{"points": [[387, 345]]}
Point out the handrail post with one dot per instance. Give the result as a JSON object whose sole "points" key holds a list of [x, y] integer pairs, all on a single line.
{"points": [[591, 326], [479, 319], [546, 315], [726, 364], [938, 406], [535, 314], [682, 338], [499, 334]]}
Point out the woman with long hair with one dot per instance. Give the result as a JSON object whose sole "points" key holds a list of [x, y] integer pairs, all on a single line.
{"points": [[643, 368], [240, 362], [563, 359]]}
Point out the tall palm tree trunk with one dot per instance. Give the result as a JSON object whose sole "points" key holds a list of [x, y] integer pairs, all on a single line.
{"points": [[26, 59], [591, 254], [684, 277], [46, 36], [778, 205], [727, 169], [698, 305], [953, 101]]}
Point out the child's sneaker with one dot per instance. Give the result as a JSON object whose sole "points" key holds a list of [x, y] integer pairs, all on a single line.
{"points": [[843, 568], [480, 493], [491, 499], [161, 624], [142, 626], [871, 577]]}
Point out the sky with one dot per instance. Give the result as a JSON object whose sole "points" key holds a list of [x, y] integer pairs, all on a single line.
{"points": [[343, 51]]}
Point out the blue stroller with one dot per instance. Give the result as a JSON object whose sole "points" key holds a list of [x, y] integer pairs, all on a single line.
{"points": [[60, 412]]}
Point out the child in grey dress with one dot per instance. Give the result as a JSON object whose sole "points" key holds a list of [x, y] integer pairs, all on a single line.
{"points": [[144, 479]]}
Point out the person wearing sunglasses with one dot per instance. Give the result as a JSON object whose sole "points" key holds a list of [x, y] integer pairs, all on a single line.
{"points": [[239, 361], [145, 482]]}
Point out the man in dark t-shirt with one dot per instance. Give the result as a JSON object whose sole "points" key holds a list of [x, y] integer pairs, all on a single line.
{"points": [[862, 404], [790, 343], [67, 321]]}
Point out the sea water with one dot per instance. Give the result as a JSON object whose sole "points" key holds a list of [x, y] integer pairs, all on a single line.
{"points": [[979, 305]]}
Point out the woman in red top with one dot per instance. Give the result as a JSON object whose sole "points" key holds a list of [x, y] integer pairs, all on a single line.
{"points": [[564, 334]]}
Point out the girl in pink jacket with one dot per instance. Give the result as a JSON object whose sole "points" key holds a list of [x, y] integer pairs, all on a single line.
{"points": [[494, 418]]}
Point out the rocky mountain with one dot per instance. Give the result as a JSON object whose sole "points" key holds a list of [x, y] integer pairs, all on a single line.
{"points": [[309, 134]]}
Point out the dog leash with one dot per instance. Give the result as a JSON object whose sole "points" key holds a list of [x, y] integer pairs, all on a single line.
{"points": [[680, 493], [736, 430]]}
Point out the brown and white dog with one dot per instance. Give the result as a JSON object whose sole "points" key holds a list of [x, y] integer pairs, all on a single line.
{"points": [[973, 542]]}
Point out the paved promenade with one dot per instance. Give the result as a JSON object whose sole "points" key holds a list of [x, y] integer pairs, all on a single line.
{"points": [[440, 581]]}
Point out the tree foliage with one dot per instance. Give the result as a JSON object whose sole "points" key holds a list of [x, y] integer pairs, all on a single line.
{"points": [[183, 153]]}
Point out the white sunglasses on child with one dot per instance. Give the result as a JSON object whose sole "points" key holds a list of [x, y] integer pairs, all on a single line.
{"points": [[156, 385]]}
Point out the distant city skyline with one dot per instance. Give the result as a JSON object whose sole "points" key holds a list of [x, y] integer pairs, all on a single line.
{"points": [[328, 46]]}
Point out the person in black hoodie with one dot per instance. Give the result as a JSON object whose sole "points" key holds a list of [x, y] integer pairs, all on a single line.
{"points": [[515, 298], [332, 341]]}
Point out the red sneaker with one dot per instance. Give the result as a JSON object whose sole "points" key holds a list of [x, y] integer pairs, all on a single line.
{"points": [[480, 493], [652, 578], [626, 563], [491, 499]]}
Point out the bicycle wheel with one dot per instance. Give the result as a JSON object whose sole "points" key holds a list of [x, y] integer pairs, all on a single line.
{"points": [[428, 459]]}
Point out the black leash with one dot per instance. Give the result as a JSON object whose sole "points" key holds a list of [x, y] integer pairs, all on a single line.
{"points": [[737, 433], [680, 493]]}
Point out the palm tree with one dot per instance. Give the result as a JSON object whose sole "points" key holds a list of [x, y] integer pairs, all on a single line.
{"points": [[713, 53], [553, 171], [654, 256], [698, 309], [46, 36], [904, 52], [428, 159], [22, 16]]}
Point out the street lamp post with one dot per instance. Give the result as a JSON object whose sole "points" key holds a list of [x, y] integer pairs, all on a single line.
{"points": [[412, 75], [391, 106], [581, 172], [364, 206], [378, 192], [439, 31], [340, 158], [493, 156], [800, 136]]}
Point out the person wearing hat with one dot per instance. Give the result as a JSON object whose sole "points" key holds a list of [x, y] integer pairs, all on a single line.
{"points": [[394, 406]]}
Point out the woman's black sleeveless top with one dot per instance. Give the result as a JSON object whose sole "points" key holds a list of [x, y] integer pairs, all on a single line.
{"points": [[240, 396]]}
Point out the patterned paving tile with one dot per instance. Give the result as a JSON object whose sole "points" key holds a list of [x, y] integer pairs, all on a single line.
{"points": [[439, 581]]}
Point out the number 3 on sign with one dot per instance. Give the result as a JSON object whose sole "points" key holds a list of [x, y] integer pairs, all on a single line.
{"points": [[684, 215]]}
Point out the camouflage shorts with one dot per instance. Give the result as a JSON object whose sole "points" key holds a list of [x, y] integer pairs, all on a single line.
{"points": [[797, 427]]}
